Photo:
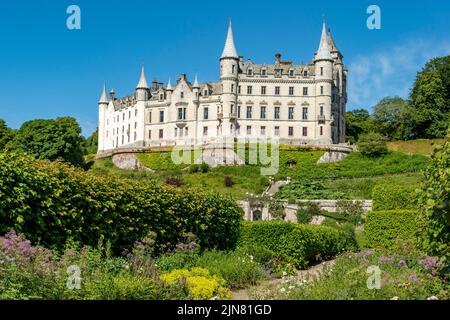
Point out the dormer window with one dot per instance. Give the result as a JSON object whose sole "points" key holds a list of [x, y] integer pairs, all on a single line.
{"points": [[305, 73], [250, 72], [291, 72], [263, 72], [161, 96], [278, 72], [205, 93]]}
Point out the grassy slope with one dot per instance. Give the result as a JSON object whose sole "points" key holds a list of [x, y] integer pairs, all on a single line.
{"points": [[420, 146]]}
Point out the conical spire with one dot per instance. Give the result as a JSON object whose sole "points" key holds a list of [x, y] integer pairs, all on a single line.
{"points": [[169, 85], [103, 98], [324, 49], [142, 81], [229, 51], [196, 85], [331, 43]]}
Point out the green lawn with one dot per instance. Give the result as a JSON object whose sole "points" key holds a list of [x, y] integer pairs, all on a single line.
{"points": [[419, 146]]}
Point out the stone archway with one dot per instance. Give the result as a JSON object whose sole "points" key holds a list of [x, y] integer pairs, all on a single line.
{"points": [[257, 215]]}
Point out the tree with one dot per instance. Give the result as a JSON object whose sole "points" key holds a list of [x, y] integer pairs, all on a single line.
{"points": [[389, 116], [58, 139], [428, 100], [91, 143], [442, 66], [357, 121], [6, 134], [435, 204], [372, 145]]}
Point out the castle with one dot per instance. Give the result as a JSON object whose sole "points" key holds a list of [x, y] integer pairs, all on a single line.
{"points": [[297, 104]]}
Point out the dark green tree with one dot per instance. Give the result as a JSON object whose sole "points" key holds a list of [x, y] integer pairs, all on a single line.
{"points": [[357, 122], [372, 144], [389, 116], [442, 66], [58, 139], [6, 134], [91, 144]]}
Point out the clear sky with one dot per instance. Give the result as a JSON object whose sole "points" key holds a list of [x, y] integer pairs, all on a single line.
{"points": [[47, 70]]}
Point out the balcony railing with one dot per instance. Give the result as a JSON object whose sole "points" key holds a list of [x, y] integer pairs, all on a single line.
{"points": [[321, 118]]}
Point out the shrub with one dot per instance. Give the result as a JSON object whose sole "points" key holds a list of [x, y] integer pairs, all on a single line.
{"points": [[372, 145], [174, 181], [228, 181], [384, 228], [435, 204], [295, 242], [52, 203], [204, 167], [194, 168], [260, 254], [306, 211], [392, 196], [200, 284], [176, 260], [307, 190], [350, 208]]}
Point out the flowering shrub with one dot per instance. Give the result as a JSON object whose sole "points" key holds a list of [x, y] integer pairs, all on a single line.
{"points": [[200, 284]]}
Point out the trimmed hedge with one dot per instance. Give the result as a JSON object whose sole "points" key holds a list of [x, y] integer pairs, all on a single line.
{"points": [[51, 203], [384, 228], [391, 196], [301, 244]]}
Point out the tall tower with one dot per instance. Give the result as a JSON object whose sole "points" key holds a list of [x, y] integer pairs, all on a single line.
{"points": [[142, 87], [323, 62], [102, 106], [229, 69]]}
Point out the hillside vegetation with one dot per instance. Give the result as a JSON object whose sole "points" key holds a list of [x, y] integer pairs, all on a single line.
{"points": [[419, 146]]}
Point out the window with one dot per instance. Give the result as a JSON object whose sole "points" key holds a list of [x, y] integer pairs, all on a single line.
{"points": [[305, 73], [291, 131], [305, 114], [181, 94], [205, 113], [129, 114], [321, 130], [135, 125], [181, 113], [264, 72], [135, 112], [291, 73], [291, 113], [276, 131], [239, 111], [291, 91], [232, 88], [263, 90], [321, 71], [161, 96], [239, 89], [304, 131], [135, 136], [321, 110], [249, 130], [263, 130], [205, 131], [161, 133], [205, 93], [263, 113], [321, 89], [161, 116], [149, 134], [249, 90], [123, 116], [277, 90], [232, 68], [249, 112], [250, 72], [305, 91], [150, 117], [276, 113], [186, 131]]}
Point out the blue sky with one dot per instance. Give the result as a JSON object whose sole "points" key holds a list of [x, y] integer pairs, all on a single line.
{"points": [[47, 70]]}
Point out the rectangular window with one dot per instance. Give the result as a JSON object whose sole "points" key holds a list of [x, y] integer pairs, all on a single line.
{"points": [[135, 112], [305, 131], [181, 113], [123, 116], [321, 110], [291, 91], [249, 112], [305, 91], [321, 130], [263, 113], [205, 113], [149, 134], [232, 87], [161, 116], [291, 131], [239, 89], [276, 131], [149, 117], [321, 89], [129, 114], [276, 113], [249, 90], [181, 94], [186, 131], [135, 136], [305, 113], [321, 71], [277, 90], [263, 90], [291, 73], [205, 131], [135, 125], [239, 111], [249, 130], [161, 133], [291, 113], [175, 132], [263, 130]]}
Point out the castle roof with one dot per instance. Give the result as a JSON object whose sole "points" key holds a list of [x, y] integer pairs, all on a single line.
{"points": [[142, 81], [229, 51], [324, 49], [103, 98]]}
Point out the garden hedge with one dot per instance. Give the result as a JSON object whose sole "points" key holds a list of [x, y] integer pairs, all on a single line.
{"points": [[384, 228], [392, 196], [51, 203], [301, 244]]}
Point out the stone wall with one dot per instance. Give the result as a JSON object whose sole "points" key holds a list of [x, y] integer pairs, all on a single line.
{"points": [[128, 161]]}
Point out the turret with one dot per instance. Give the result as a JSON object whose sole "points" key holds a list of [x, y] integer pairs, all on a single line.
{"points": [[323, 59], [229, 68], [142, 87], [102, 110], [169, 89]]}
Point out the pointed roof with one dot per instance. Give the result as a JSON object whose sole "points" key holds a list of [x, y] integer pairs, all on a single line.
{"points": [[196, 85], [142, 81], [331, 41], [229, 51], [169, 85], [103, 98], [324, 49]]}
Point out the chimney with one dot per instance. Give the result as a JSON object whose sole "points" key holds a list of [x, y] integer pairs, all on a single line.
{"points": [[277, 57]]}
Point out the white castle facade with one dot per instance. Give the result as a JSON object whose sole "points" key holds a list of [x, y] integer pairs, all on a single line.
{"points": [[297, 104]]}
